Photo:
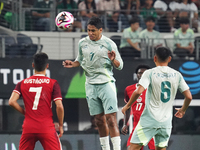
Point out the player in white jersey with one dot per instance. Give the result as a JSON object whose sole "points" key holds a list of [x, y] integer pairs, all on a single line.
{"points": [[162, 83], [97, 56]]}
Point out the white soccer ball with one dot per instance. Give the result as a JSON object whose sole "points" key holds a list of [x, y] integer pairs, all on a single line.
{"points": [[64, 20]]}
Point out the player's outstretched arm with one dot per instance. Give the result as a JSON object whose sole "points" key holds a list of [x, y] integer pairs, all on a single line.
{"points": [[13, 102], [188, 98], [70, 64], [133, 98], [60, 115]]}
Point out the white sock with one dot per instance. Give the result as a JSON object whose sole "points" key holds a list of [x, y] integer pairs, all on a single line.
{"points": [[116, 141], [104, 141]]}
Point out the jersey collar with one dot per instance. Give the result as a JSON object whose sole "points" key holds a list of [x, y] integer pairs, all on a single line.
{"points": [[39, 75]]}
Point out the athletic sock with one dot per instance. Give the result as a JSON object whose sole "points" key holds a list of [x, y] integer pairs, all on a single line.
{"points": [[116, 141], [104, 141]]}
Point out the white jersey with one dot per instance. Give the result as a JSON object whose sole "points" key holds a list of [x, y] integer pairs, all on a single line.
{"points": [[162, 83], [93, 58]]}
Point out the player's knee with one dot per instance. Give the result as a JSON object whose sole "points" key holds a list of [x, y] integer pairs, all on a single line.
{"points": [[111, 122], [100, 122]]}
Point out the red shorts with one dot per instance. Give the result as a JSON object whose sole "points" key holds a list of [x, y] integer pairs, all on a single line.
{"points": [[49, 141], [151, 143]]}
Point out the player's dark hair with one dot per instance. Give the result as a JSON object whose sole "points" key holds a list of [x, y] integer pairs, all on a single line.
{"points": [[95, 21], [141, 66], [150, 18], [40, 61], [184, 20], [163, 53], [134, 20]]}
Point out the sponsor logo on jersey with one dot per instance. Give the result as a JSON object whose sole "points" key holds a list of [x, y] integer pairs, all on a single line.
{"points": [[139, 99], [110, 108], [85, 46]]}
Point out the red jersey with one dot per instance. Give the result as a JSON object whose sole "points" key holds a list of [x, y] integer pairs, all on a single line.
{"points": [[37, 92], [138, 106]]}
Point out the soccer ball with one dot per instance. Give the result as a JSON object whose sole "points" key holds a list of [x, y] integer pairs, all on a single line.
{"points": [[64, 20]]}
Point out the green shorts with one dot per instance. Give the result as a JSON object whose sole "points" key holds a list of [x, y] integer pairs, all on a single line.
{"points": [[142, 135], [101, 98]]}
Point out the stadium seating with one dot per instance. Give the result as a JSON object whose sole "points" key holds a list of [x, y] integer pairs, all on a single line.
{"points": [[28, 49], [11, 47]]}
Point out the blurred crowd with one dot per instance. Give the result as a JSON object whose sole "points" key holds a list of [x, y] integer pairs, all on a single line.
{"points": [[115, 14], [134, 42]]}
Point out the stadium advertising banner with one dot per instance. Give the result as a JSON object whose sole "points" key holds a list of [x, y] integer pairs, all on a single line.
{"points": [[91, 142], [72, 80]]}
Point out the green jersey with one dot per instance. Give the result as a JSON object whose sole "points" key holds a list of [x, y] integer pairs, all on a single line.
{"points": [[148, 12], [162, 83], [128, 33], [184, 39], [152, 38], [93, 58]]}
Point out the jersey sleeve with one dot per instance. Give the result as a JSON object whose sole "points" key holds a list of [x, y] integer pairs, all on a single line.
{"points": [[176, 38], [182, 84], [56, 95], [82, 6], [191, 39], [100, 5], [126, 34], [194, 7], [17, 88], [145, 79], [79, 57], [111, 46], [116, 3], [118, 57]]}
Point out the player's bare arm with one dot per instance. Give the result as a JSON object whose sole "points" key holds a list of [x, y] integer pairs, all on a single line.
{"points": [[134, 45], [188, 98], [133, 98], [60, 115], [124, 129], [111, 56], [13, 102], [70, 64]]}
